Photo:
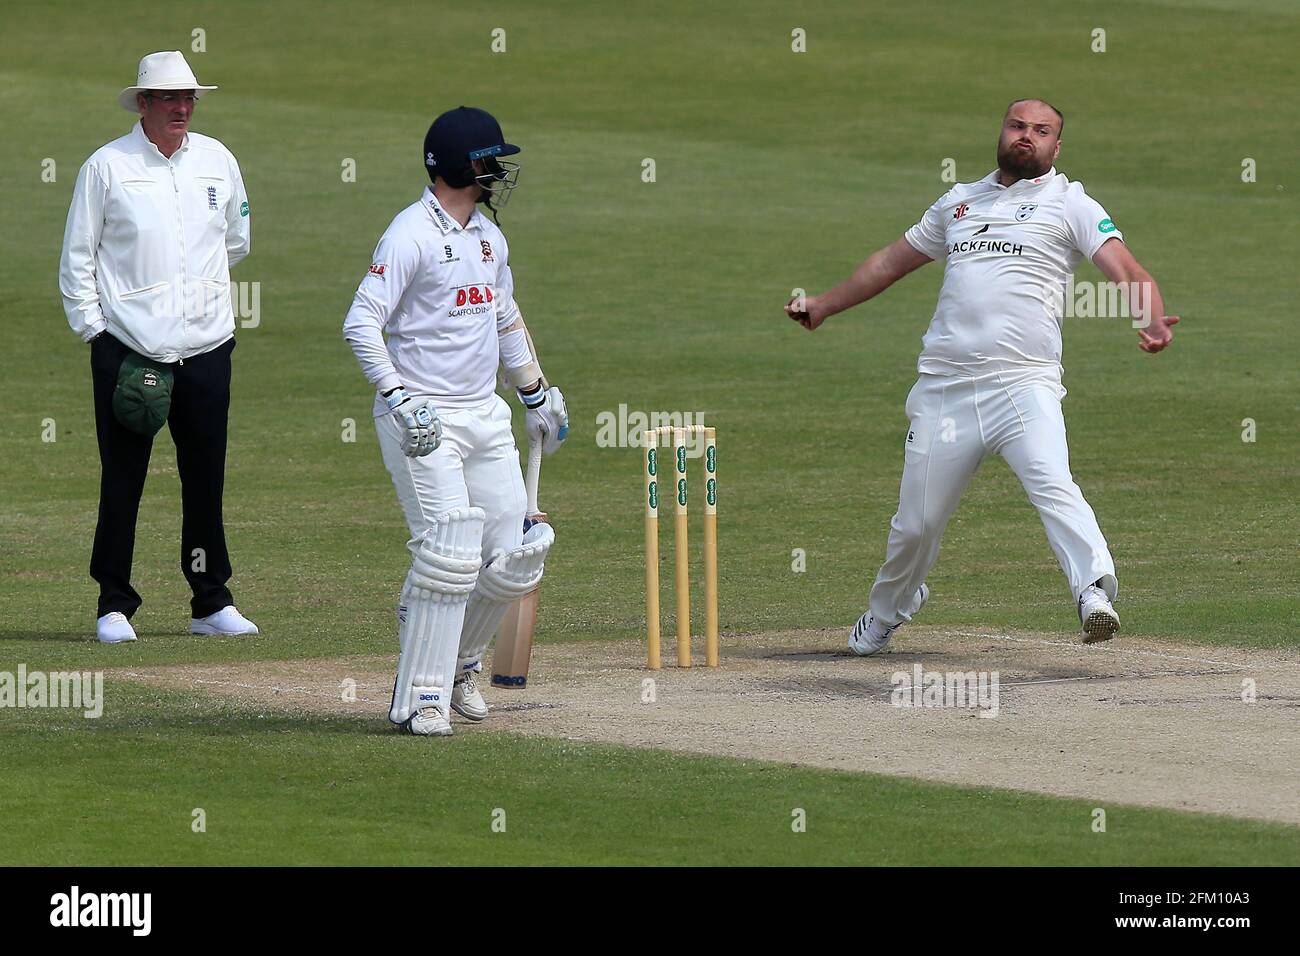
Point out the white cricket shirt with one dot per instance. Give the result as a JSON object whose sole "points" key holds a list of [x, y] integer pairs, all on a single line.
{"points": [[1009, 251], [441, 292], [149, 244]]}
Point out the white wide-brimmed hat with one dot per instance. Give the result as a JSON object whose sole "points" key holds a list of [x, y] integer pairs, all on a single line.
{"points": [[162, 71]]}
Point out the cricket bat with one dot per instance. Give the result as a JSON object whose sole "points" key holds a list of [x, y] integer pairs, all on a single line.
{"points": [[514, 648]]}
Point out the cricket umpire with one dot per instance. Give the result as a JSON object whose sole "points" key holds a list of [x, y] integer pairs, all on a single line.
{"points": [[158, 217], [990, 367]]}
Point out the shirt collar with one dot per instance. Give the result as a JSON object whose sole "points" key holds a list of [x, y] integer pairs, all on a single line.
{"points": [[148, 145], [992, 178], [442, 219]]}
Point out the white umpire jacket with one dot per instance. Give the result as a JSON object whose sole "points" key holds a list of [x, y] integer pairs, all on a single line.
{"points": [[149, 244]]}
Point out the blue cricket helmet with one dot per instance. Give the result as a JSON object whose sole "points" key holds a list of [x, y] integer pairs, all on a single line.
{"points": [[462, 136]]}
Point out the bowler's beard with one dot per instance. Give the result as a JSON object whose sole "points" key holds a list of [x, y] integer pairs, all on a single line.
{"points": [[1022, 164]]}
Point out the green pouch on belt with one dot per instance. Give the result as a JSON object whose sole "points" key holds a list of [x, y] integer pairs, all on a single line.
{"points": [[143, 396]]}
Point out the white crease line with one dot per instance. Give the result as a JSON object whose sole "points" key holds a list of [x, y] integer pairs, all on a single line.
{"points": [[1063, 680], [1092, 677], [1119, 650]]}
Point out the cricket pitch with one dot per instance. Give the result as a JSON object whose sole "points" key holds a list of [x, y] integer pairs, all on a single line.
{"points": [[1132, 721]]}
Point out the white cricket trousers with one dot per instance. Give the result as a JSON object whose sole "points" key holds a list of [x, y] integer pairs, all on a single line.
{"points": [[954, 422], [476, 465]]}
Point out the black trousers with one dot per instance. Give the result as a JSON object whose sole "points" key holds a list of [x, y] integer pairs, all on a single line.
{"points": [[199, 413]]}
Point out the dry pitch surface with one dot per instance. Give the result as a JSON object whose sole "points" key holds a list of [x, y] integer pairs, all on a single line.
{"points": [[1131, 721]]}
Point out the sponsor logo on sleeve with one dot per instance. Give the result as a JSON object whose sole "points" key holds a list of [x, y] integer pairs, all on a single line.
{"points": [[243, 209], [377, 270], [1105, 226]]}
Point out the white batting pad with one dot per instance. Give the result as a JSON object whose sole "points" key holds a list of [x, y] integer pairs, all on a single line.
{"points": [[500, 584], [432, 611]]}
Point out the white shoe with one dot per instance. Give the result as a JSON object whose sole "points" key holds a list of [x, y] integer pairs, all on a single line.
{"points": [[227, 622], [868, 637], [428, 722], [114, 628], [1098, 617], [466, 699]]}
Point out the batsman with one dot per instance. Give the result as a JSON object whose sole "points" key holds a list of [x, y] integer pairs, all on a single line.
{"points": [[440, 289]]}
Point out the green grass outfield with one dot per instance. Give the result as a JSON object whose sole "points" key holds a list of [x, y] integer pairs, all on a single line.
{"points": [[282, 789], [774, 170]]}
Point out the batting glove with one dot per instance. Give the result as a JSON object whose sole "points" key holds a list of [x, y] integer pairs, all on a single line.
{"points": [[418, 421], [547, 417]]}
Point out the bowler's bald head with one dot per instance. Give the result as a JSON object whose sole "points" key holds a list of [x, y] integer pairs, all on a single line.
{"points": [[1034, 110]]}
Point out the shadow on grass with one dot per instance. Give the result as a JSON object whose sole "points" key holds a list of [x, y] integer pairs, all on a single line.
{"points": [[159, 717], [86, 635], [244, 725]]}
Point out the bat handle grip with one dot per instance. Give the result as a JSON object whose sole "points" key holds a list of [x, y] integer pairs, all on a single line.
{"points": [[531, 477]]}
